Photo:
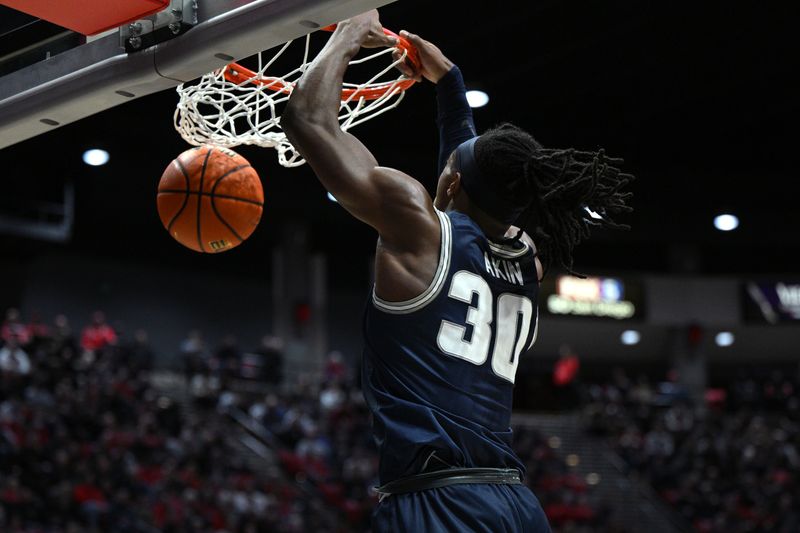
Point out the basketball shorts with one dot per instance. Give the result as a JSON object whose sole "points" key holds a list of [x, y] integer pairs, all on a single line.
{"points": [[480, 507]]}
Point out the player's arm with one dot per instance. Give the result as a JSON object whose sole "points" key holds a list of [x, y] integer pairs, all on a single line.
{"points": [[454, 116], [393, 203]]}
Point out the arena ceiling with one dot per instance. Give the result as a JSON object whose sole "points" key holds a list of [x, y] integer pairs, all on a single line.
{"points": [[699, 98]]}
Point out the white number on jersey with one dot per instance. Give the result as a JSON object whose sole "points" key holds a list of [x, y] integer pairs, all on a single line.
{"points": [[514, 315]]}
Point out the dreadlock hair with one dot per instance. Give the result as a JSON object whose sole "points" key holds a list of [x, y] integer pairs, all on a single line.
{"points": [[567, 192]]}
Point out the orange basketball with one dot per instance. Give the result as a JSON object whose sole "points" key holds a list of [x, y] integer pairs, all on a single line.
{"points": [[210, 199]]}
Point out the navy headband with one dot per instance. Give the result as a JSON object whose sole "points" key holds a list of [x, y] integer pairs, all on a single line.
{"points": [[482, 190]]}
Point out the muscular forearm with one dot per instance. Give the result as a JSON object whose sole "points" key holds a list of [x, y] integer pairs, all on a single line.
{"points": [[454, 116], [344, 166], [317, 96]]}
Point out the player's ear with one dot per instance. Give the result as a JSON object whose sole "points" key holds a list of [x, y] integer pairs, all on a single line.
{"points": [[455, 185]]}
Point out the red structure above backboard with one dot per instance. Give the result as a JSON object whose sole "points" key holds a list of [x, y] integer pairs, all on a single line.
{"points": [[88, 17]]}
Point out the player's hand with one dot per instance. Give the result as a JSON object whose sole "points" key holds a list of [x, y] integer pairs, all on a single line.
{"points": [[434, 64], [370, 24]]}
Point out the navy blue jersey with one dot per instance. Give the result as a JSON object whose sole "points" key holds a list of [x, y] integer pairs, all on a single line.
{"points": [[438, 370]]}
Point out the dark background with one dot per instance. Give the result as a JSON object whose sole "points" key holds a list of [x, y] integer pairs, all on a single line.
{"points": [[699, 98]]}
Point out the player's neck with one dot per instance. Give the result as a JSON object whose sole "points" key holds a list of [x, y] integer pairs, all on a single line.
{"points": [[494, 230]]}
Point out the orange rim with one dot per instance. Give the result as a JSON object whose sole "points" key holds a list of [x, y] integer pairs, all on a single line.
{"points": [[235, 73]]}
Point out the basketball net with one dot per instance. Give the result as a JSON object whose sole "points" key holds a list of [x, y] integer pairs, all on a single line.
{"points": [[234, 105]]}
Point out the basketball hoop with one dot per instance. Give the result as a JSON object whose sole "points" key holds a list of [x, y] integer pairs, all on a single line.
{"points": [[235, 105]]}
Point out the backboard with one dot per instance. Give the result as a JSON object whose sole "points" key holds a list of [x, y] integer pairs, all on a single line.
{"points": [[51, 76]]}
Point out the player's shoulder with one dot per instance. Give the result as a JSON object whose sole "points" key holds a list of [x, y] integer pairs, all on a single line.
{"points": [[529, 241], [524, 247], [405, 185]]}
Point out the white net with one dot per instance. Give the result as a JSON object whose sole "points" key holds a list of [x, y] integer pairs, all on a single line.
{"points": [[232, 106]]}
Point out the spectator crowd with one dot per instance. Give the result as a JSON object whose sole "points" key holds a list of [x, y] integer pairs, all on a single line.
{"points": [[90, 442], [319, 427], [730, 463]]}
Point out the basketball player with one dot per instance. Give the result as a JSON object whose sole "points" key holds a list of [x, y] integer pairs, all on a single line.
{"points": [[454, 302]]}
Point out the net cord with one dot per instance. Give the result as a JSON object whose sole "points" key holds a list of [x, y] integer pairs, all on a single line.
{"points": [[218, 111]]}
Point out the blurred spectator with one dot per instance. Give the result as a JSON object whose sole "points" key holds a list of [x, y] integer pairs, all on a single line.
{"points": [[566, 378], [13, 359], [566, 368], [313, 445], [265, 362], [98, 334], [204, 389], [13, 327], [193, 352], [331, 397], [138, 353], [227, 358], [38, 329], [335, 368], [62, 336]]}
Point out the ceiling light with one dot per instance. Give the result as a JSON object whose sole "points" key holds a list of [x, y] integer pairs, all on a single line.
{"points": [[630, 337], [477, 98], [95, 157], [726, 222], [724, 338]]}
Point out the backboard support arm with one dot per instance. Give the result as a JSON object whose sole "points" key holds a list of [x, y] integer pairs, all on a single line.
{"points": [[102, 74]]}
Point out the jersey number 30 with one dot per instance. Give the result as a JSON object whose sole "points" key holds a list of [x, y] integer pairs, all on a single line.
{"points": [[510, 331]]}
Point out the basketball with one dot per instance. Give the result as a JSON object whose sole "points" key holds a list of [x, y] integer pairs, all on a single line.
{"points": [[210, 199]]}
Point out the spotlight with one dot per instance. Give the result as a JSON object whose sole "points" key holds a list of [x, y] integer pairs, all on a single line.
{"points": [[724, 338], [477, 98], [630, 337], [726, 222], [95, 157]]}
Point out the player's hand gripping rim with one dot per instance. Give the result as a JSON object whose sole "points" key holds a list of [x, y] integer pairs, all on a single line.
{"points": [[433, 63], [375, 36]]}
